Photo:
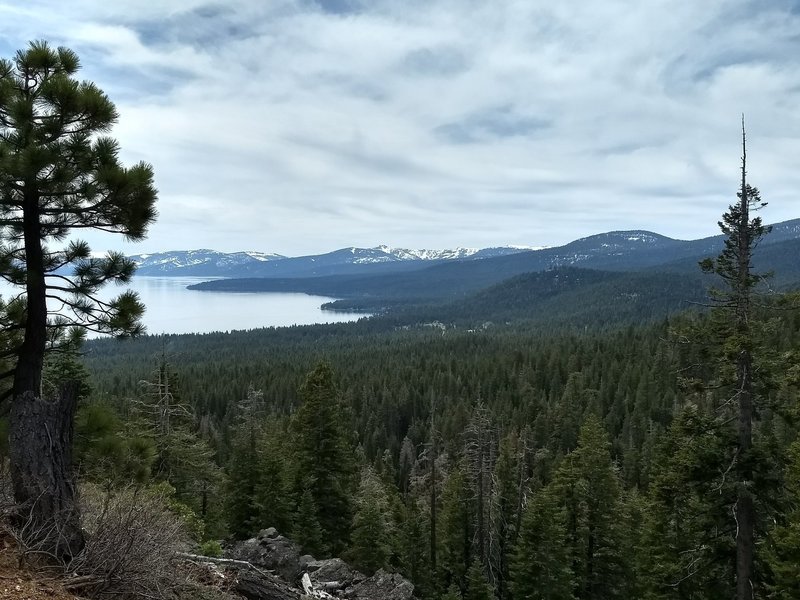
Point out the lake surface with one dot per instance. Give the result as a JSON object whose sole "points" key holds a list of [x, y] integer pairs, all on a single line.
{"points": [[171, 308]]}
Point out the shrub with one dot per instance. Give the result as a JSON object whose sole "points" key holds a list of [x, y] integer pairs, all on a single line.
{"points": [[211, 548], [131, 540]]}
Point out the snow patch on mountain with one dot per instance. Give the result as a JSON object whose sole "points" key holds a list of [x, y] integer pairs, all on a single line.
{"points": [[205, 262]]}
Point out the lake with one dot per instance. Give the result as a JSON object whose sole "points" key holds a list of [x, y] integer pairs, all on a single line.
{"points": [[171, 308]]}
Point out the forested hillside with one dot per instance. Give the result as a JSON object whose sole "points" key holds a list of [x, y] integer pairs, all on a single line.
{"points": [[520, 417], [642, 254]]}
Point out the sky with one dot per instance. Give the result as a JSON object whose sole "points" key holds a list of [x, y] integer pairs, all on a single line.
{"points": [[303, 126]]}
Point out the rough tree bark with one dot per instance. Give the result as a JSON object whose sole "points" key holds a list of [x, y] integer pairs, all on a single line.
{"points": [[40, 442], [40, 448]]}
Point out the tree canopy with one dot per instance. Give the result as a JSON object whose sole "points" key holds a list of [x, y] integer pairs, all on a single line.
{"points": [[59, 174]]}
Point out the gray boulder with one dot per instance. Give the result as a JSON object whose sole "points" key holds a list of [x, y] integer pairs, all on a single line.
{"points": [[382, 586], [333, 570], [270, 550]]}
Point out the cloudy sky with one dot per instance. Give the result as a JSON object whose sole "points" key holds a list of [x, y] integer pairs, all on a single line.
{"points": [[301, 126]]}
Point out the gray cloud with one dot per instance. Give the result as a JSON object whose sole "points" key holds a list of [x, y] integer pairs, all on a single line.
{"points": [[496, 122], [305, 125], [436, 62]]}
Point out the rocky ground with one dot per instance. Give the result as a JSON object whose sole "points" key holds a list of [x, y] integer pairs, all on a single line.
{"points": [[280, 558], [266, 567]]}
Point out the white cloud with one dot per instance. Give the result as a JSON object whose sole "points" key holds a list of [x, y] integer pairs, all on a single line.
{"points": [[299, 126]]}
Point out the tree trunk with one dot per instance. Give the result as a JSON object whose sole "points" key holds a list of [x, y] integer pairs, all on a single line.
{"points": [[40, 448], [40, 439], [744, 509], [434, 546]]}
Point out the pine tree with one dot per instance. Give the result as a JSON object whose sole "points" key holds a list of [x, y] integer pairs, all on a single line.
{"points": [[273, 490], [586, 484], [540, 567], [784, 555], [737, 329], [510, 475], [688, 535], [244, 477], [453, 593], [455, 532], [243, 480], [478, 587], [479, 458], [413, 548], [184, 459], [58, 174], [307, 530], [108, 454], [325, 455], [372, 528]]}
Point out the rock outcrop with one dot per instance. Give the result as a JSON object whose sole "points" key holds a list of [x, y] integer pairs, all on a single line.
{"points": [[383, 585], [330, 577], [272, 551]]}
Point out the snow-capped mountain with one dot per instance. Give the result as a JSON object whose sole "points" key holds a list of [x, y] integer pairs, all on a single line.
{"points": [[614, 250], [387, 254], [198, 263], [210, 263]]}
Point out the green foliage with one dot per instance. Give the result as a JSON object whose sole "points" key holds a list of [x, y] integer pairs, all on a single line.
{"points": [[413, 545], [243, 477], [107, 451], [478, 588], [453, 593], [511, 478], [455, 532], [211, 548], [307, 530], [325, 455], [372, 527], [64, 368], [541, 566], [272, 491], [688, 534], [644, 540], [192, 523], [586, 484], [784, 555], [53, 148]]}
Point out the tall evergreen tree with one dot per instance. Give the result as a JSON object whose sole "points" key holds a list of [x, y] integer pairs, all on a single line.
{"points": [[511, 478], [586, 484], [307, 530], [478, 587], [273, 487], [541, 565], [243, 480], [372, 527], [325, 456], [688, 533], [59, 174], [735, 316], [455, 531], [784, 555], [243, 470]]}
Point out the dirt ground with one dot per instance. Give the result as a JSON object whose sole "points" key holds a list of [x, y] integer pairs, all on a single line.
{"points": [[24, 584]]}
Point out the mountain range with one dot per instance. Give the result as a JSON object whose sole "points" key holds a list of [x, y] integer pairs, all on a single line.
{"points": [[382, 259], [615, 250], [424, 283]]}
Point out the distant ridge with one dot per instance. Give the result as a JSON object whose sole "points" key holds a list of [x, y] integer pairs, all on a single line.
{"points": [[624, 251], [211, 263], [613, 250]]}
